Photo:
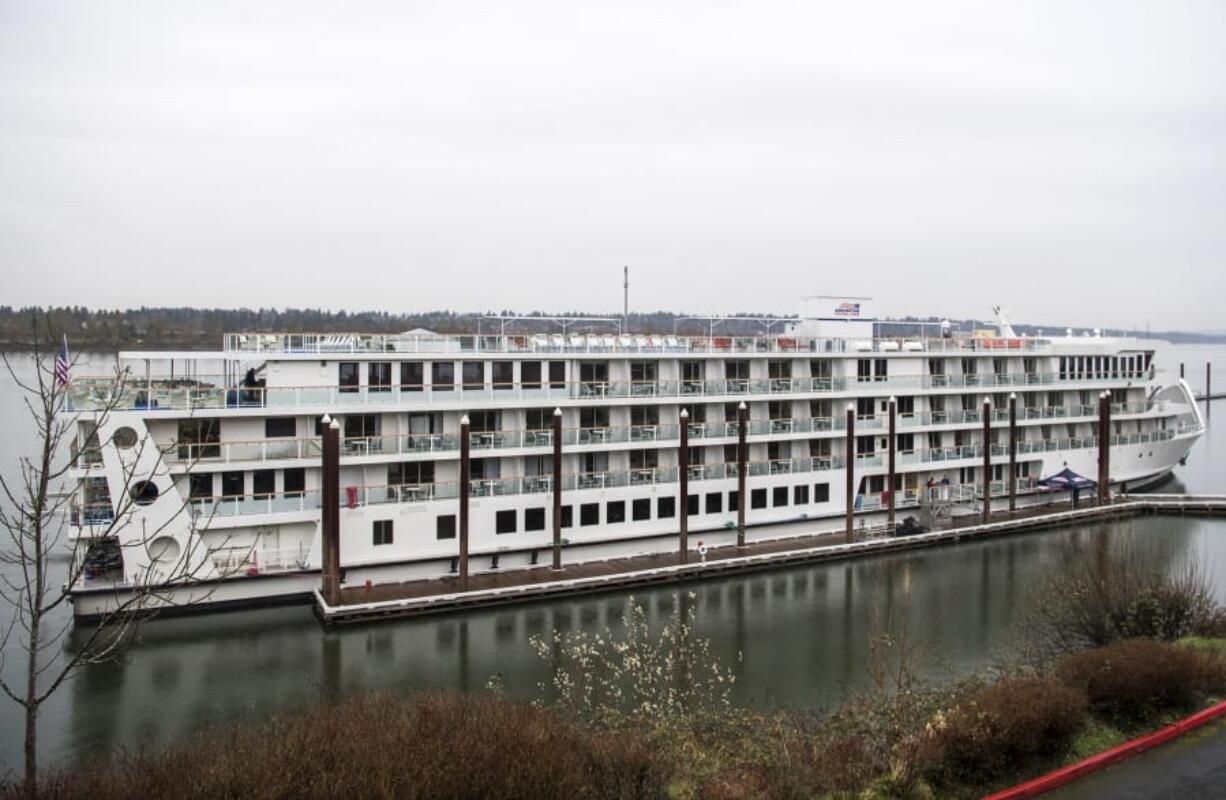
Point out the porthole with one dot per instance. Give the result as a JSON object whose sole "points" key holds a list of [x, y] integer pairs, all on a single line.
{"points": [[164, 550], [143, 492], [124, 438]]}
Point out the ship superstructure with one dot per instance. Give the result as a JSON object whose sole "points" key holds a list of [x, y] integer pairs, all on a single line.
{"points": [[219, 452]]}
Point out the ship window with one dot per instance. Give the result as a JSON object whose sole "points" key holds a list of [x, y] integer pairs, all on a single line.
{"points": [[144, 492], [864, 445], [125, 438], [734, 500], [442, 376], [864, 370], [821, 493], [379, 376], [412, 376], [780, 496], [382, 530], [757, 498], [504, 521], [474, 374], [557, 374], [530, 374], [865, 408], [200, 485], [615, 511], [503, 374], [666, 507], [642, 371], [231, 484], [715, 502], [568, 516], [412, 473], [641, 509], [293, 480], [279, 426], [779, 369], [347, 376], [264, 482], [534, 519], [589, 514], [444, 526], [881, 367], [199, 438], [736, 370], [800, 495], [691, 505]]}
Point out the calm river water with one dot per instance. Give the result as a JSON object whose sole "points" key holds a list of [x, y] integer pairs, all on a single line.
{"points": [[801, 633]]}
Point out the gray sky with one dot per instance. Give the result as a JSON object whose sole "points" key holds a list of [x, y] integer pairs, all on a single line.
{"points": [[1065, 159]]}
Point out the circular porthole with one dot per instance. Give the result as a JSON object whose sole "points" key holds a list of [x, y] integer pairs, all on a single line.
{"points": [[164, 549], [124, 438], [144, 492]]}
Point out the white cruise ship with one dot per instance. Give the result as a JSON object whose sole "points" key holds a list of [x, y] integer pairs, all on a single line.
{"points": [[222, 472]]}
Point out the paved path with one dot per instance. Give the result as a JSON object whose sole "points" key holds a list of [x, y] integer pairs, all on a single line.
{"points": [[1189, 768]]}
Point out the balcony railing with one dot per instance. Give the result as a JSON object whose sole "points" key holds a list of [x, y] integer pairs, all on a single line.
{"points": [[98, 393], [417, 443]]}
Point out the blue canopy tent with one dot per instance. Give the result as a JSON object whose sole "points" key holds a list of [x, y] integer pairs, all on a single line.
{"points": [[1068, 481]]}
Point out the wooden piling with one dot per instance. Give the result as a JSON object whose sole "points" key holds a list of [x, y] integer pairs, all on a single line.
{"points": [[683, 478], [742, 457], [557, 489], [850, 468], [330, 513], [987, 460], [1012, 452], [464, 492], [892, 477]]}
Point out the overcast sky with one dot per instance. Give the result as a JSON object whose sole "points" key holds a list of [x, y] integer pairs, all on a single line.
{"points": [[1065, 159]]}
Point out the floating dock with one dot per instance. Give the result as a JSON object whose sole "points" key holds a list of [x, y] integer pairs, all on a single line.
{"points": [[439, 595]]}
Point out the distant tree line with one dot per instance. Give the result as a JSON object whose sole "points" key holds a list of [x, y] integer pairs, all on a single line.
{"points": [[202, 328]]}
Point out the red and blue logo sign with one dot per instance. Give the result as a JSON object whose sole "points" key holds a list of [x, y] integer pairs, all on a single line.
{"points": [[847, 310]]}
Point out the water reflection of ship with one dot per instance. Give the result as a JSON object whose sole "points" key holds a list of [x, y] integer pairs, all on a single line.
{"points": [[802, 635]]}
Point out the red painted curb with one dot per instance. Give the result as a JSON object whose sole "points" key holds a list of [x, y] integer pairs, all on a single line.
{"points": [[1106, 758]]}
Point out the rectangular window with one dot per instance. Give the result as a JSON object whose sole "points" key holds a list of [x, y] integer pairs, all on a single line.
{"points": [[589, 514], [379, 376], [691, 505], [382, 531], [474, 374], [780, 497], [231, 484], [412, 376], [757, 498], [715, 502], [530, 374], [347, 376], [264, 482], [503, 374], [534, 519], [666, 507], [734, 500], [293, 480], [199, 438], [821, 493], [504, 521], [279, 426], [864, 369], [800, 495], [615, 511], [568, 516], [442, 376], [557, 374], [641, 509], [200, 485], [444, 526]]}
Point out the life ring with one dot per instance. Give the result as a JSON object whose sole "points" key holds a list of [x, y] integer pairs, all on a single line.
{"points": [[702, 549]]}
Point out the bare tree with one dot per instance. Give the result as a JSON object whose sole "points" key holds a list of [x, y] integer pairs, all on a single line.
{"points": [[32, 518]]}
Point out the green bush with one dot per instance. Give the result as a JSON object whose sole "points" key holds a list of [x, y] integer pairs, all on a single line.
{"points": [[994, 731], [1134, 679]]}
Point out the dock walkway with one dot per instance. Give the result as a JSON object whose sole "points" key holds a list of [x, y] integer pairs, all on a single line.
{"points": [[436, 595]]}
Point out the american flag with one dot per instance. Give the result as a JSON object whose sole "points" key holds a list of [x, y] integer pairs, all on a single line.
{"points": [[61, 365]]}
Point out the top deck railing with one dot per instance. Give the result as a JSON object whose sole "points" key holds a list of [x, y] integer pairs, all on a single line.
{"points": [[408, 343]]}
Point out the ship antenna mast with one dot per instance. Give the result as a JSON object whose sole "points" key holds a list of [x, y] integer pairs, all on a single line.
{"points": [[626, 296]]}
